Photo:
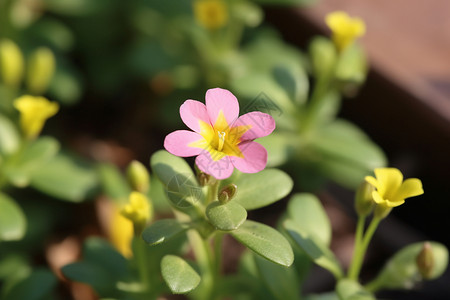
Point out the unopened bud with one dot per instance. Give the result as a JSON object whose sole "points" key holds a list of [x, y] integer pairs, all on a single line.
{"points": [[227, 193], [363, 199], [41, 67], [425, 261], [323, 56], [139, 210], [11, 63], [205, 179], [138, 177]]}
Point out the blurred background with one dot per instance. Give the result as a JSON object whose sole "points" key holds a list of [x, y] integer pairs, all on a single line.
{"points": [[121, 69]]}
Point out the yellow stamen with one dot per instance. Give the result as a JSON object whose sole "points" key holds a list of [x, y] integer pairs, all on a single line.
{"points": [[221, 140]]}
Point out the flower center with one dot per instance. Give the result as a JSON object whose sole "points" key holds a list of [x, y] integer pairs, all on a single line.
{"points": [[221, 140]]}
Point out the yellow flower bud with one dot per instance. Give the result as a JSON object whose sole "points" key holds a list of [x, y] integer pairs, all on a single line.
{"points": [[138, 177], [425, 261], [345, 30], [139, 210], [34, 111], [41, 67], [11, 63], [363, 199], [211, 14], [121, 233]]}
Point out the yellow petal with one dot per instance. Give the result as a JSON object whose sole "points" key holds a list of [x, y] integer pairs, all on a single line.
{"points": [[410, 187], [389, 180], [337, 20], [377, 198], [371, 180], [394, 203]]}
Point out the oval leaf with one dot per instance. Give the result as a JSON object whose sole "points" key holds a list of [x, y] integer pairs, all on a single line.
{"points": [[162, 230], [401, 271], [36, 286], [9, 136], [308, 213], [227, 216], [317, 251], [348, 289], [178, 274], [263, 188], [12, 220], [265, 241]]}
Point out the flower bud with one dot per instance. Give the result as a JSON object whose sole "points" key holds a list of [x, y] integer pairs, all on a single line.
{"points": [[363, 199], [425, 261], [11, 63], [138, 177], [227, 193], [205, 179], [211, 14], [41, 67], [139, 210], [323, 56]]}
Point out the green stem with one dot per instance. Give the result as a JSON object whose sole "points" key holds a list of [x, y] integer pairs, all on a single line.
{"points": [[142, 262], [212, 192], [358, 239], [218, 240], [316, 102], [358, 259]]}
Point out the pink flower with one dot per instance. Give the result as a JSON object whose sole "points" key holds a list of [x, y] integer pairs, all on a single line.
{"points": [[221, 139]]}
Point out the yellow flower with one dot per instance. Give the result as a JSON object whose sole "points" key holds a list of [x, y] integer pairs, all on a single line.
{"points": [[138, 210], [34, 111], [121, 233], [344, 28], [391, 190], [211, 14]]}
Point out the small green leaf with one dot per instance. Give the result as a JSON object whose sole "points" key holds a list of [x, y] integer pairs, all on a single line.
{"points": [[227, 216], [315, 249], [178, 274], [308, 213], [263, 188], [65, 179], [9, 136], [280, 146], [401, 270], [100, 252], [113, 183], [282, 281], [163, 230], [348, 289], [33, 158], [12, 219], [35, 287], [181, 184], [265, 241], [97, 277]]}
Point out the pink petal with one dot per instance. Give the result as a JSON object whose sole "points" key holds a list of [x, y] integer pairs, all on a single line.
{"points": [[261, 125], [192, 112], [220, 169], [221, 100], [255, 157], [177, 143]]}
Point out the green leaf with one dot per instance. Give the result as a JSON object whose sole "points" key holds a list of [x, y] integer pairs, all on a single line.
{"points": [[282, 282], [279, 146], [345, 153], [401, 270], [181, 184], [308, 213], [263, 188], [315, 249], [178, 274], [12, 219], [113, 182], [100, 252], [65, 179], [324, 296], [9, 136], [66, 84], [163, 230], [97, 277], [265, 241], [227, 216], [35, 287], [19, 170], [348, 289]]}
